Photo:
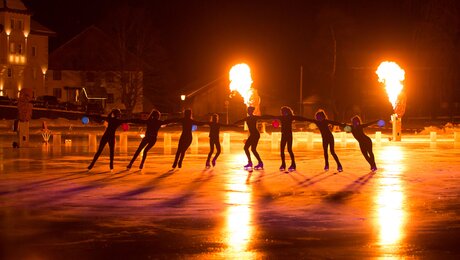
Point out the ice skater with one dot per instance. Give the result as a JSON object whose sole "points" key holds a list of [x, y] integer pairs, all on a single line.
{"points": [[365, 143], [114, 121], [214, 128], [286, 119], [253, 138], [153, 126], [186, 136], [323, 123]]}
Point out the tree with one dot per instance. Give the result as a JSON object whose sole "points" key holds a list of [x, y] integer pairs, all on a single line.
{"points": [[143, 70]]}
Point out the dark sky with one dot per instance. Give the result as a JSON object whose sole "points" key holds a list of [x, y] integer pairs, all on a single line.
{"points": [[205, 38]]}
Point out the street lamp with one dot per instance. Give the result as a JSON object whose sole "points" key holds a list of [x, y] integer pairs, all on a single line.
{"points": [[182, 97]]}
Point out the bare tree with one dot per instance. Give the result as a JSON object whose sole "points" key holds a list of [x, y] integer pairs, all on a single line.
{"points": [[141, 57]]}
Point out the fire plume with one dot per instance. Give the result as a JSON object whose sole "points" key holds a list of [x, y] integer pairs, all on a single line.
{"points": [[392, 76], [241, 81]]}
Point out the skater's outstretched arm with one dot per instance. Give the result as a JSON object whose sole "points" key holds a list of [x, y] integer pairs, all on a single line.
{"points": [[301, 118], [264, 117], [198, 123], [240, 121], [369, 124], [169, 121], [334, 123]]}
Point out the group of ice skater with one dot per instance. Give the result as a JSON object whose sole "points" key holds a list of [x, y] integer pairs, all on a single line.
{"points": [[286, 118]]}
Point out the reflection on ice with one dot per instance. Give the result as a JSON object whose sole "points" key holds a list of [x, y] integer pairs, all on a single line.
{"points": [[239, 226], [391, 214]]}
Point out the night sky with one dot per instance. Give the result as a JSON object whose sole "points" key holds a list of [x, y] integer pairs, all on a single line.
{"points": [[205, 38]]}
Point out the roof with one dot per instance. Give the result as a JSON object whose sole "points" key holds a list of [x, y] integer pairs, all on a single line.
{"points": [[13, 6], [92, 50], [37, 28]]}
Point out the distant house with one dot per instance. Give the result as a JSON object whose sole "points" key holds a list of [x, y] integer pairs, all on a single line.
{"points": [[213, 97], [23, 50], [89, 68]]}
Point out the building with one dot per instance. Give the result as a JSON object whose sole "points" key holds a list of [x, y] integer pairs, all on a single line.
{"points": [[23, 50], [89, 69]]}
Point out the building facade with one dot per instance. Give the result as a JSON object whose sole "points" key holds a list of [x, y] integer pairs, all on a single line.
{"points": [[88, 69], [23, 50]]}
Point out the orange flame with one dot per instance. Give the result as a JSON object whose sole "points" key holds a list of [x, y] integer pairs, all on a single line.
{"points": [[392, 76], [241, 81]]}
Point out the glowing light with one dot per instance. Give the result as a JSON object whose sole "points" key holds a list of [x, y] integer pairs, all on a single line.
{"points": [[85, 120], [182, 97], [239, 227], [392, 76], [391, 215], [11, 58], [141, 135], [241, 81]]}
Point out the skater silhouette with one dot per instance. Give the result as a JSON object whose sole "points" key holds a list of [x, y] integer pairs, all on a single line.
{"points": [[114, 121], [253, 138], [323, 123], [365, 143], [153, 125], [286, 119], [214, 128], [186, 136]]}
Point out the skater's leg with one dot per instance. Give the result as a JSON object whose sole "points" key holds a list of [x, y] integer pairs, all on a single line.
{"points": [[112, 151], [254, 150], [326, 155], [211, 151], [146, 150], [185, 145], [218, 149], [246, 148], [336, 158], [102, 144], [138, 151], [283, 157], [291, 153]]}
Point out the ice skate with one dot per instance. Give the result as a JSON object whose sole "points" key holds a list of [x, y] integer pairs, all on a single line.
{"points": [[282, 168], [259, 166], [208, 165], [214, 162], [339, 169], [326, 168], [292, 168], [248, 166]]}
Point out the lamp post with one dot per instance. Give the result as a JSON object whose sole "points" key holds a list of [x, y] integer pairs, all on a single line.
{"points": [[182, 98]]}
